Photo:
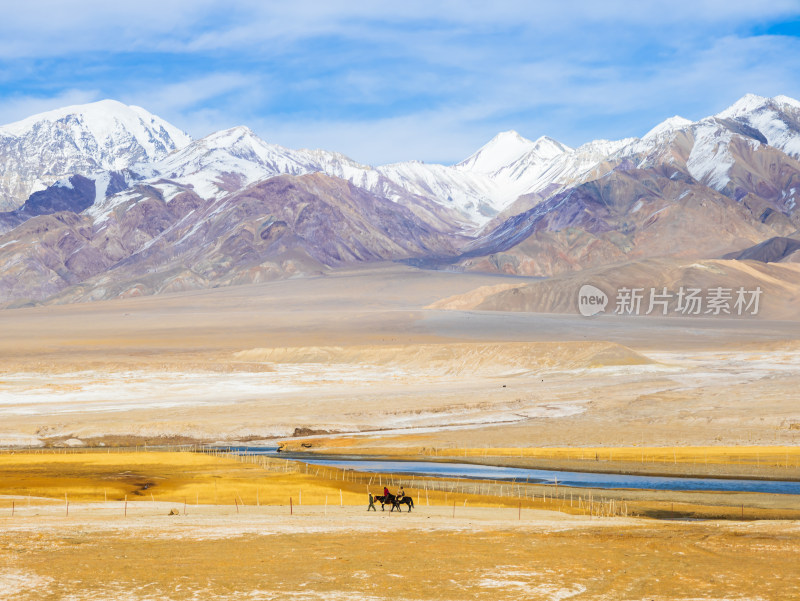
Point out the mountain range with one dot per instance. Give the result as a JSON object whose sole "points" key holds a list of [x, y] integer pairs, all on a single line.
{"points": [[106, 200]]}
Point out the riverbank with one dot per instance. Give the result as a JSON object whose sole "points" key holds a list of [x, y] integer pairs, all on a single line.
{"points": [[211, 478], [740, 462]]}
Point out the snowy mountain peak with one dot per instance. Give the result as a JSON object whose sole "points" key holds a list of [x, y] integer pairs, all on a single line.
{"points": [[546, 147], [239, 136], [668, 125], [81, 139], [510, 135], [106, 120], [746, 104], [787, 101], [504, 149], [476, 190], [775, 118], [219, 163], [751, 103]]}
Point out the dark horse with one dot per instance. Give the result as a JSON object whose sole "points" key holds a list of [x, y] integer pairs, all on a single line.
{"points": [[404, 501], [392, 500]]}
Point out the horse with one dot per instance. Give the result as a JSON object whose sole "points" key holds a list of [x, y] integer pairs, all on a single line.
{"points": [[404, 501], [392, 500], [389, 499]]}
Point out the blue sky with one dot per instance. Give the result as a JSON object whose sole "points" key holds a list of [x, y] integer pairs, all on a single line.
{"points": [[385, 82]]}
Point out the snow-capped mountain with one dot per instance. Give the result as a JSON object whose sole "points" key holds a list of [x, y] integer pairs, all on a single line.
{"points": [[699, 188], [233, 208], [513, 166], [112, 136], [83, 139], [502, 150], [666, 127], [727, 152], [226, 160], [777, 119], [229, 160]]}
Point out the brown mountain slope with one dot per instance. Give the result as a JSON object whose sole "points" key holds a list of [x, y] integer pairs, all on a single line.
{"points": [[706, 189], [627, 214], [770, 251], [284, 226], [779, 283]]}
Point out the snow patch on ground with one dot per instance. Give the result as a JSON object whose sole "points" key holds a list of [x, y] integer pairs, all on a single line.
{"points": [[12, 439], [14, 583], [32, 394], [728, 368], [475, 416], [530, 584]]}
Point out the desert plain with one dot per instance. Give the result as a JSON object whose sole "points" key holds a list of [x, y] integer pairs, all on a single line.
{"points": [[368, 362]]}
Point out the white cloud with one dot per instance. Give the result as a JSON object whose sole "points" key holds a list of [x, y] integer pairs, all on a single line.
{"points": [[392, 81], [444, 135], [173, 100], [201, 25], [16, 108], [571, 101]]}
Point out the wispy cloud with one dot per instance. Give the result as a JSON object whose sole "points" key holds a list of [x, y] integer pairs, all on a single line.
{"points": [[187, 94], [16, 107], [391, 81]]}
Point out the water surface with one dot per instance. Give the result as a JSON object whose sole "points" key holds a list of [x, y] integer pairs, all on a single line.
{"points": [[534, 476]]}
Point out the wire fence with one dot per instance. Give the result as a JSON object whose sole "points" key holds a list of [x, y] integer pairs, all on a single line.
{"points": [[428, 491], [425, 491]]}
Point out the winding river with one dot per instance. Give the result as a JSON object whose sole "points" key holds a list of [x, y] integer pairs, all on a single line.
{"points": [[534, 476]]}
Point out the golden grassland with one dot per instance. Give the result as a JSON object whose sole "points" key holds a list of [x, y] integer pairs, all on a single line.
{"points": [[215, 478], [763, 456], [158, 476], [203, 478], [767, 456], [348, 555], [455, 545]]}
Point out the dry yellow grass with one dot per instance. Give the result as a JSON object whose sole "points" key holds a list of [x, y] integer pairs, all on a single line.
{"points": [[178, 477], [158, 476], [344, 555], [766, 456], [91, 476], [763, 456]]}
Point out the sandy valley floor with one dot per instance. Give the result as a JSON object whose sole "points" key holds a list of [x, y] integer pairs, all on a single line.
{"points": [[359, 354]]}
